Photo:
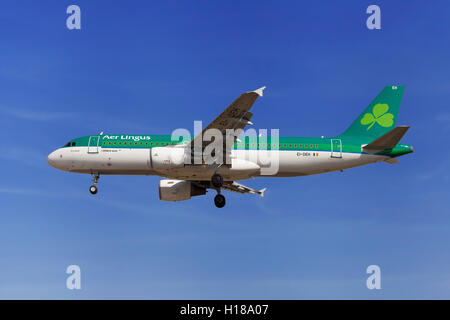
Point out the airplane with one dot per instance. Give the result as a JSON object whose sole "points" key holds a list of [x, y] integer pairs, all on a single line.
{"points": [[371, 138]]}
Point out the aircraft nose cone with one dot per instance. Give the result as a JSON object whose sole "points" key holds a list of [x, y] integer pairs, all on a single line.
{"points": [[51, 159]]}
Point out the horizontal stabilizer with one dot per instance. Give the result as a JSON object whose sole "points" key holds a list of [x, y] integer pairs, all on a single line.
{"points": [[392, 161], [388, 140]]}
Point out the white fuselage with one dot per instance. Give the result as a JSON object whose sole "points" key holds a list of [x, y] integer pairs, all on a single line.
{"points": [[245, 163]]}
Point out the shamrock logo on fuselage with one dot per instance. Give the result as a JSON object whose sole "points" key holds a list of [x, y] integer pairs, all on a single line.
{"points": [[379, 116]]}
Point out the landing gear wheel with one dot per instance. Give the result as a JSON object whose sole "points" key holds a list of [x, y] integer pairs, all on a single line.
{"points": [[93, 189], [217, 180], [219, 201]]}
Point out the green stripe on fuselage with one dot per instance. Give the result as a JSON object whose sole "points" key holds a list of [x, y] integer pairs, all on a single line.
{"points": [[248, 143]]}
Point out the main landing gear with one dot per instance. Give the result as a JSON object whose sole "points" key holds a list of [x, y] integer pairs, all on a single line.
{"points": [[219, 200], [93, 189], [217, 182]]}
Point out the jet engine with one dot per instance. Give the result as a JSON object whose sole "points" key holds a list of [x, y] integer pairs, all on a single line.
{"points": [[178, 190], [163, 158]]}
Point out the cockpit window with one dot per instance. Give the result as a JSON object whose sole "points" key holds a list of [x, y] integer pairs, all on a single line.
{"points": [[73, 144], [67, 145]]}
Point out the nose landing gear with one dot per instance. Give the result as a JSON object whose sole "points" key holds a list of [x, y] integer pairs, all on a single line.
{"points": [[93, 189]]}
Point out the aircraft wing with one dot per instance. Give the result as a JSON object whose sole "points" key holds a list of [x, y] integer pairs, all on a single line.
{"points": [[240, 188], [236, 116], [230, 186]]}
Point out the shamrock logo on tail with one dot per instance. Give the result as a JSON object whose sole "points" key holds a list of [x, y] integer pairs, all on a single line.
{"points": [[379, 116]]}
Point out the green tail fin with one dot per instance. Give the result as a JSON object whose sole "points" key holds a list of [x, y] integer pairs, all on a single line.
{"points": [[379, 117]]}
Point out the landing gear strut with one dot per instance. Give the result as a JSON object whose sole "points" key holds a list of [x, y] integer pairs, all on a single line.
{"points": [[93, 189], [217, 180]]}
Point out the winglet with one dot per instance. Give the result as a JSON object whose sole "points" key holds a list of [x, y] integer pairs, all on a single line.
{"points": [[261, 192], [259, 91]]}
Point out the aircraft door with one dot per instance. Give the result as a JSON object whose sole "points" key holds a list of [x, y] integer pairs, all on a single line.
{"points": [[336, 148], [93, 144]]}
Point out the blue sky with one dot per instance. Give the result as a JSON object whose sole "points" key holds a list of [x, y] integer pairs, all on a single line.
{"points": [[149, 67]]}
